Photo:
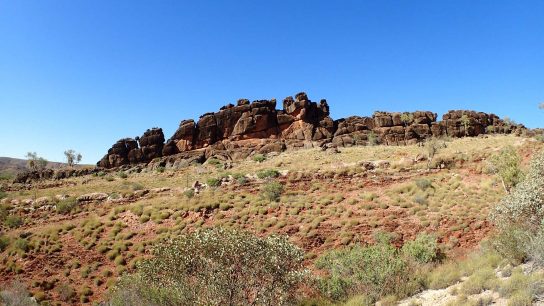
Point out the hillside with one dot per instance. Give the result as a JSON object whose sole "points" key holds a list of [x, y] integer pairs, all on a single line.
{"points": [[11, 166], [328, 199]]}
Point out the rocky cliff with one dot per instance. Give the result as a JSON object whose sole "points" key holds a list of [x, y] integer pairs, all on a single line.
{"points": [[238, 131]]}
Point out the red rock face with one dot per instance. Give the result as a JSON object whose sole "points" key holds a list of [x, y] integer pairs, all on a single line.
{"points": [[238, 131]]}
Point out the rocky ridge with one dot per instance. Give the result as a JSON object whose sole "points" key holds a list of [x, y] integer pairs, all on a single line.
{"points": [[238, 131]]}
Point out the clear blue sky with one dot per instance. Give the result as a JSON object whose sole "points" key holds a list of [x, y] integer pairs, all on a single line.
{"points": [[82, 74]]}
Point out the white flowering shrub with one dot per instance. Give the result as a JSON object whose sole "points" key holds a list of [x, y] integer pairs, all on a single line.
{"points": [[216, 267]]}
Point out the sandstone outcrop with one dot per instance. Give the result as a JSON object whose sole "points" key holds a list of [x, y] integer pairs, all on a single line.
{"points": [[238, 131]]}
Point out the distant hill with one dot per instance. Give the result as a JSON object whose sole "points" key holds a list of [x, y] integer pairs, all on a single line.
{"points": [[11, 166]]}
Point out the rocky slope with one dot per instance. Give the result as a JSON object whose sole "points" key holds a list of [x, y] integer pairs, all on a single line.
{"points": [[238, 131]]}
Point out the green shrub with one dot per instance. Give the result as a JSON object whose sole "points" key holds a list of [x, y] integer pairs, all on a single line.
{"points": [[375, 271], [511, 243], [359, 300], [272, 191], [161, 169], [189, 193], [137, 186], [372, 139], [109, 178], [122, 174], [368, 196], [521, 298], [66, 206], [215, 267], [529, 285], [214, 182], [66, 292], [21, 244], [519, 214], [506, 164], [268, 173], [4, 242], [444, 276], [484, 279], [421, 199], [3, 194], [423, 249], [4, 212], [259, 158], [423, 184], [13, 221]]}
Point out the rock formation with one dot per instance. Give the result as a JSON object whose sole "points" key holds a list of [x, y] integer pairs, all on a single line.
{"points": [[238, 131]]}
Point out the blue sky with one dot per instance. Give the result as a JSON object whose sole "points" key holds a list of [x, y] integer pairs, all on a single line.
{"points": [[82, 74]]}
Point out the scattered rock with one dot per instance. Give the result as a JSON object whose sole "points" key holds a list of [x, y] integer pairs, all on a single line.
{"points": [[92, 197]]}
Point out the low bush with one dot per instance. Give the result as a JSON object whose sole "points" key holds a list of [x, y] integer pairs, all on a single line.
{"points": [[215, 267], [268, 173], [122, 174], [259, 158], [423, 249], [214, 182], [518, 216], [444, 276], [21, 244], [66, 292], [66, 206], [423, 184], [4, 242], [506, 164], [374, 271], [484, 279], [189, 193], [13, 221], [272, 191]]}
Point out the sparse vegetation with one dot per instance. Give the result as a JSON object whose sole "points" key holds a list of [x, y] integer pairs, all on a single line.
{"points": [[363, 189]]}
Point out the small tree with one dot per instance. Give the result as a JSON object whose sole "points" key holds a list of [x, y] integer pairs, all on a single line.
{"points": [[72, 158], [406, 118], [509, 122], [506, 165], [432, 146], [465, 121], [34, 162]]}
